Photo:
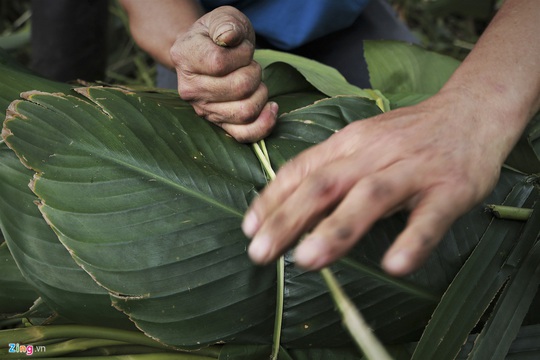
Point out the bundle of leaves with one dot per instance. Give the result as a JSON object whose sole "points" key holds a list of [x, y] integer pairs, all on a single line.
{"points": [[121, 213]]}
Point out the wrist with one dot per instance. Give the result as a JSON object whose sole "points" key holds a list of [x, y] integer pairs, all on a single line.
{"points": [[495, 117]]}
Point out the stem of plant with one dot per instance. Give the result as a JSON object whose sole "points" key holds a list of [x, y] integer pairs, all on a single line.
{"points": [[81, 338], [351, 317], [35, 334], [354, 321], [510, 212], [262, 155]]}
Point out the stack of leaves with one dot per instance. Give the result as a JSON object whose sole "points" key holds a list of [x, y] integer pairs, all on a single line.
{"points": [[121, 213]]}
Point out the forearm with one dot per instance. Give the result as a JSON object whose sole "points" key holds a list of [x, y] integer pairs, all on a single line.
{"points": [[502, 73], [156, 24]]}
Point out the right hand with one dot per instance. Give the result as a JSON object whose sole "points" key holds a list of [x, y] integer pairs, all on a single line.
{"points": [[219, 78]]}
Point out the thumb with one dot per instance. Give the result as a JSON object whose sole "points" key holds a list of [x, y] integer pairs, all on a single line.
{"points": [[228, 27]]}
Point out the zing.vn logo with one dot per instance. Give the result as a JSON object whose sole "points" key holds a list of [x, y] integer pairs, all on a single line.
{"points": [[25, 349]]}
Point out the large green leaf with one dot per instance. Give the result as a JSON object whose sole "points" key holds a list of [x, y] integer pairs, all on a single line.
{"points": [[526, 154], [325, 78], [148, 199], [16, 295], [15, 79], [514, 302], [478, 282], [43, 261], [406, 73]]}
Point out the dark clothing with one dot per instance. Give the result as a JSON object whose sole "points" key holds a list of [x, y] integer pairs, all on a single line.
{"points": [[69, 39], [289, 24], [343, 49]]}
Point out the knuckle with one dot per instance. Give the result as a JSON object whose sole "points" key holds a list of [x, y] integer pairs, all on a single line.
{"points": [[186, 91], [177, 54], [242, 137], [344, 233], [244, 85], [378, 189], [246, 113], [216, 62], [343, 229], [321, 186], [200, 111], [291, 169]]}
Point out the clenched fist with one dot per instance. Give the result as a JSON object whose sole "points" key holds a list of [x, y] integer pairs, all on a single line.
{"points": [[219, 78]]}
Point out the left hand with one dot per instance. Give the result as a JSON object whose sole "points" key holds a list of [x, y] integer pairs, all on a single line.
{"points": [[435, 159]]}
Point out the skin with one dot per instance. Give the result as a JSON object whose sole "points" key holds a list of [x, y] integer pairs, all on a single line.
{"points": [[213, 58], [436, 159]]}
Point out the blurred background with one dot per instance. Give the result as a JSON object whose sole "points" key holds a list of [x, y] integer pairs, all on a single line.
{"points": [[450, 27]]}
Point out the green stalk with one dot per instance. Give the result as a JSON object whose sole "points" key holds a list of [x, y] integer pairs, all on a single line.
{"points": [[156, 356], [67, 347], [82, 338], [510, 212], [142, 69], [35, 334], [278, 320], [352, 319], [262, 155]]}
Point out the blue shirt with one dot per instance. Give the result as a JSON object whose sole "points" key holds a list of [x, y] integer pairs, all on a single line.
{"points": [[287, 24]]}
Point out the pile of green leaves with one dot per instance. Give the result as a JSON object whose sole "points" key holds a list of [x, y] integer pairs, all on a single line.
{"points": [[121, 214]]}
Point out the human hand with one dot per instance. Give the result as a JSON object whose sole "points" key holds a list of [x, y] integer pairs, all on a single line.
{"points": [[434, 159], [220, 79]]}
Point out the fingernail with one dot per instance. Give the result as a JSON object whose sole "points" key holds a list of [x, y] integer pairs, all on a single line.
{"points": [[397, 263], [250, 224], [274, 107], [221, 32], [311, 253], [259, 249]]}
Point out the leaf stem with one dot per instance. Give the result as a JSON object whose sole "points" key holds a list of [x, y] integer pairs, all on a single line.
{"points": [[39, 333], [354, 321], [510, 212], [278, 320], [262, 154], [59, 340]]}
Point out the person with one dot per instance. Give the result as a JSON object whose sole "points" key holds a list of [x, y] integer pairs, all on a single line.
{"points": [[435, 159], [69, 39]]}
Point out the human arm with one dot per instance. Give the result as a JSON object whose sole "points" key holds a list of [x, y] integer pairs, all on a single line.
{"points": [[155, 25], [213, 57], [436, 159]]}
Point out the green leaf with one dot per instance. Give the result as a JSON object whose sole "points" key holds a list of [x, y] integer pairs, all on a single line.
{"points": [[147, 198], [526, 345], [475, 286], [156, 247], [526, 154], [305, 127], [16, 295], [511, 308], [16, 79], [324, 78], [407, 69], [260, 352], [44, 262]]}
